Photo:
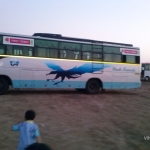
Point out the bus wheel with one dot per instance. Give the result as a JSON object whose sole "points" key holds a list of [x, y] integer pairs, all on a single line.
{"points": [[93, 86], [146, 78], [4, 86]]}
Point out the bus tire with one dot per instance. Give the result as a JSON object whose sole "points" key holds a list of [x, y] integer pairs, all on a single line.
{"points": [[4, 86], [146, 78], [93, 86]]}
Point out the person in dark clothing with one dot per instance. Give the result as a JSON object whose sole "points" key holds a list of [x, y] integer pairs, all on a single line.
{"points": [[38, 146]]}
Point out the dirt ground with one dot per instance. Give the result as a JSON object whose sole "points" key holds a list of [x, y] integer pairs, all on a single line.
{"points": [[69, 120]]}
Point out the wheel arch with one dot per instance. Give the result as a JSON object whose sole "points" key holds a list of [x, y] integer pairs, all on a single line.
{"points": [[7, 78]]}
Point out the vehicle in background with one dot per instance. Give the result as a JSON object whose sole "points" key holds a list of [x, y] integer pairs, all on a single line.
{"points": [[145, 71]]}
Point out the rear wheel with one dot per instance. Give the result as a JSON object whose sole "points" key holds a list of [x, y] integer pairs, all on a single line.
{"points": [[146, 78], [93, 86], [4, 86]]}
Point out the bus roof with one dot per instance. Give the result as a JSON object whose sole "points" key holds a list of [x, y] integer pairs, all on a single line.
{"points": [[69, 39], [59, 36]]}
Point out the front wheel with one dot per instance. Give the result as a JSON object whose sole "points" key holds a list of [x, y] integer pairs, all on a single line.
{"points": [[93, 86], [4, 86]]}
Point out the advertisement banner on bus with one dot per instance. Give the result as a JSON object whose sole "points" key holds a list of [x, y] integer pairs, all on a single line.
{"points": [[126, 51], [18, 41]]}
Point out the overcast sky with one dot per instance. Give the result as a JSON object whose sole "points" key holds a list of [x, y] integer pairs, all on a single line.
{"points": [[125, 21]]}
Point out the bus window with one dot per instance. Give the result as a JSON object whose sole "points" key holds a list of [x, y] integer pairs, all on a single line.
{"points": [[86, 47], [2, 51], [67, 54], [46, 43], [41, 52], [14, 50], [137, 59], [77, 55], [9, 50], [63, 53], [147, 67], [97, 48], [53, 53], [87, 55], [112, 50], [27, 51], [69, 46], [30, 53], [74, 55], [1, 39], [116, 58], [17, 50], [112, 54], [130, 59], [97, 56], [107, 57]]}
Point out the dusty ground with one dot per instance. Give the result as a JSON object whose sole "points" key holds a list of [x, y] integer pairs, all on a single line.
{"points": [[68, 120]]}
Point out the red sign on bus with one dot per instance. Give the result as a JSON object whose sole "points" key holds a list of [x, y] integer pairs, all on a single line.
{"points": [[129, 51], [18, 41]]}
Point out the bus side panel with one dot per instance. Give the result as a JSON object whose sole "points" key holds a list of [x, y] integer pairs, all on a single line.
{"points": [[55, 73]]}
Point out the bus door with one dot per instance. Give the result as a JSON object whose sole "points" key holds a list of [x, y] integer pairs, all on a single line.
{"points": [[97, 67], [97, 64]]}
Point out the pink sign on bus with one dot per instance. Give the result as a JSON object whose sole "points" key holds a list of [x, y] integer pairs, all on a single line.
{"points": [[18, 41], [129, 51]]}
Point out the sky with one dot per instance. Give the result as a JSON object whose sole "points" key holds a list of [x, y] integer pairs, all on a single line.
{"points": [[124, 21]]}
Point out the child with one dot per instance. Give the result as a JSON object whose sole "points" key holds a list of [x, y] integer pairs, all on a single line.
{"points": [[29, 132], [38, 146]]}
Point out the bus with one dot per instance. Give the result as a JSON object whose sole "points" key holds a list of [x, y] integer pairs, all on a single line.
{"points": [[145, 71], [45, 60]]}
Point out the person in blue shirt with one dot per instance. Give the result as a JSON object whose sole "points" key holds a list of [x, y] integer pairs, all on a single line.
{"points": [[29, 131]]}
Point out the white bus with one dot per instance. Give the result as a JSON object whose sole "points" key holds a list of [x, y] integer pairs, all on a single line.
{"points": [[145, 73], [54, 61]]}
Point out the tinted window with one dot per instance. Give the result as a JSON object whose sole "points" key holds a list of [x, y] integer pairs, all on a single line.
{"points": [[107, 57], [108, 49], [27, 51], [137, 59], [41, 52], [97, 56], [2, 50], [112, 57], [87, 56], [86, 47], [130, 59], [52, 53], [1, 39], [69, 46], [66, 54], [97, 48], [116, 58], [147, 67], [46, 43], [19, 50]]}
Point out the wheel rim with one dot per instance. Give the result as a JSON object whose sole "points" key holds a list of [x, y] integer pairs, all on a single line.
{"points": [[146, 78], [92, 86]]}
